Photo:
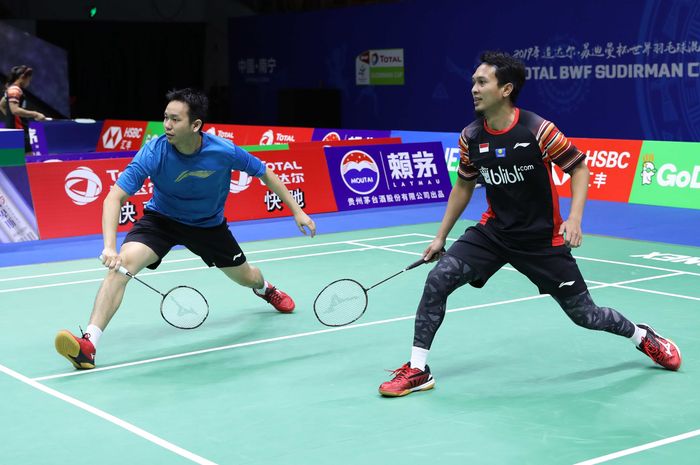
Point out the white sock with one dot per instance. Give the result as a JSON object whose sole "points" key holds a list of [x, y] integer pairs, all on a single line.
{"points": [[638, 335], [419, 357], [262, 290], [95, 334]]}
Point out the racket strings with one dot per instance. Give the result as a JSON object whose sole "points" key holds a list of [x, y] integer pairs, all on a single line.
{"points": [[340, 303], [184, 307]]}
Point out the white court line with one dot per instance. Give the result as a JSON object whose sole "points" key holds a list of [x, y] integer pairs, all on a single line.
{"points": [[643, 447], [180, 270], [110, 418], [313, 333], [279, 249]]}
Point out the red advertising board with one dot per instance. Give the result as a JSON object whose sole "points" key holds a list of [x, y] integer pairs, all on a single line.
{"points": [[68, 195], [269, 135], [612, 164], [304, 173], [343, 143], [232, 132], [120, 135]]}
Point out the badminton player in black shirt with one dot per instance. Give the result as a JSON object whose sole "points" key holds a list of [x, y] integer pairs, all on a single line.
{"points": [[513, 150]]}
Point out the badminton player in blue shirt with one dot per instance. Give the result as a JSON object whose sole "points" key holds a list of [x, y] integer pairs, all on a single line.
{"points": [[191, 173]]}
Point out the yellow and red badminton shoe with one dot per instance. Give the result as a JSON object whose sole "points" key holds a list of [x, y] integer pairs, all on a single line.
{"points": [[661, 350], [278, 299], [407, 380], [80, 351]]}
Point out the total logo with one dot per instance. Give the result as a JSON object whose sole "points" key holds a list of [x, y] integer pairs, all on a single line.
{"points": [[269, 137], [112, 137], [83, 186], [360, 172], [240, 181], [510, 175]]}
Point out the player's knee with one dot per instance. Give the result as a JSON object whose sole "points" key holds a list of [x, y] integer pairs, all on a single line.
{"points": [[581, 310]]}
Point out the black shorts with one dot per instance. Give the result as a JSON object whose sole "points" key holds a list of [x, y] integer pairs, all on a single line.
{"points": [[215, 245], [552, 269]]}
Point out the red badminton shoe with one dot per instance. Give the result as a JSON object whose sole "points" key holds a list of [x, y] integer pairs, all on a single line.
{"points": [[407, 380], [79, 350], [661, 350], [278, 299]]}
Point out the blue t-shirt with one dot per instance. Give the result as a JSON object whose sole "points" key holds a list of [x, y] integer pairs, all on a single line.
{"points": [[191, 189]]}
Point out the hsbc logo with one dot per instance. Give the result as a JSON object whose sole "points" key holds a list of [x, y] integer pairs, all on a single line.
{"points": [[83, 186], [112, 137]]}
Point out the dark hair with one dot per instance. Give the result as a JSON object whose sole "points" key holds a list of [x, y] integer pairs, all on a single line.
{"points": [[17, 72], [197, 102], [508, 69]]}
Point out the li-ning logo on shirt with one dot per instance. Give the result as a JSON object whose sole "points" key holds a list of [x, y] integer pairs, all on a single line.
{"points": [[197, 174], [521, 144]]}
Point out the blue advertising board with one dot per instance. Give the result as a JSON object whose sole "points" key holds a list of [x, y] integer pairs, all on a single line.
{"points": [[370, 176], [628, 69]]}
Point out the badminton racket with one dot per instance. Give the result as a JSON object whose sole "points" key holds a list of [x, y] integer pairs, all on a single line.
{"points": [[344, 301], [183, 307]]}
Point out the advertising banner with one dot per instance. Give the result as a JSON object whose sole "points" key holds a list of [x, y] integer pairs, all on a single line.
{"points": [[11, 147], [119, 135], [304, 173], [668, 174], [330, 135], [231, 132], [269, 135], [68, 194], [382, 67], [154, 129], [612, 165], [450, 144], [37, 138], [369, 176], [17, 220]]}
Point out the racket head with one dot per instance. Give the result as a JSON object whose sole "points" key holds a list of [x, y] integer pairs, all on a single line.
{"points": [[184, 307], [340, 303]]}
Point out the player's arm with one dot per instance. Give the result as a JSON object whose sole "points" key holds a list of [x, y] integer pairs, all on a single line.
{"points": [[458, 200], [302, 220], [111, 209], [22, 113], [571, 228]]}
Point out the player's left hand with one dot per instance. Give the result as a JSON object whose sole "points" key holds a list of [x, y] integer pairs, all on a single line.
{"points": [[304, 220], [571, 230]]}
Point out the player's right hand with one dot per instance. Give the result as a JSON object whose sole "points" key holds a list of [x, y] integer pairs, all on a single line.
{"points": [[111, 259], [435, 250]]}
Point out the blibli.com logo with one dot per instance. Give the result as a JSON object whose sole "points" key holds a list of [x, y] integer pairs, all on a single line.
{"points": [[360, 172], [83, 186], [505, 176]]}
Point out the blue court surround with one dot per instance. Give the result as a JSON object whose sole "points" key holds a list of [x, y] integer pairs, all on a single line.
{"points": [[641, 222]]}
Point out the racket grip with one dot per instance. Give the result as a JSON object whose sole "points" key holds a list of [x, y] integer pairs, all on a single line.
{"points": [[416, 264], [121, 269], [422, 262]]}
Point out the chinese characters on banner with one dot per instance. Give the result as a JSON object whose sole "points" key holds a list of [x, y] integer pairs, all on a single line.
{"points": [[386, 175]]}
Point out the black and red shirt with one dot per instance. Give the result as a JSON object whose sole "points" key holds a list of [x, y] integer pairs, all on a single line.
{"points": [[516, 165], [14, 94]]}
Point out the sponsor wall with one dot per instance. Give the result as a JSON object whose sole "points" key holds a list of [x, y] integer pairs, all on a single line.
{"points": [[369, 176], [67, 194], [17, 219], [627, 69]]}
